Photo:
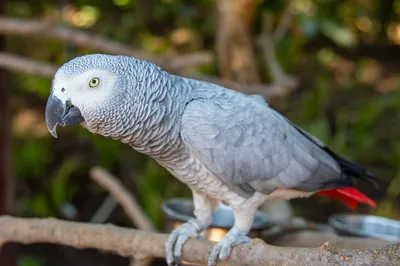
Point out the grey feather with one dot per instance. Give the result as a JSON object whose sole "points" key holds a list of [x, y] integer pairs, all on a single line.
{"points": [[251, 147]]}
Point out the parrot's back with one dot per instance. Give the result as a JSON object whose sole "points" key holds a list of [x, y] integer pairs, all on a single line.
{"points": [[252, 148]]}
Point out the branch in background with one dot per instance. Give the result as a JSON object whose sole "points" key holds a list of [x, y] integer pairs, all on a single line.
{"points": [[129, 242], [284, 23], [132, 209], [266, 43], [175, 64], [21, 64], [17, 63], [123, 196], [47, 29], [267, 90], [104, 211]]}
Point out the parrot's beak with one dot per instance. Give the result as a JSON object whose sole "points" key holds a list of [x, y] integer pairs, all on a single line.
{"points": [[59, 113]]}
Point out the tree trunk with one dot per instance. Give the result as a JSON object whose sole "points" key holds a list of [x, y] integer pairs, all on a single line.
{"points": [[6, 185], [234, 41]]}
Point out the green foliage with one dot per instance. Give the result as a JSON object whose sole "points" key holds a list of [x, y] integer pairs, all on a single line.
{"points": [[28, 261], [35, 84], [31, 156]]}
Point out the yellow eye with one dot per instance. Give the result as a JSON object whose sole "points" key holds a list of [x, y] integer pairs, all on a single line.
{"points": [[94, 82]]}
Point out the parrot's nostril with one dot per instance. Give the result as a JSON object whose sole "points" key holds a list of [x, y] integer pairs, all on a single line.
{"points": [[62, 89]]}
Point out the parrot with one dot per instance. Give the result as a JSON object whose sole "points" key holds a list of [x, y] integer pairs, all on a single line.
{"points": [[228, 147]]}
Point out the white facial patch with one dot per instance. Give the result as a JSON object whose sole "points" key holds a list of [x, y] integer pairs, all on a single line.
{"points": [[77, 88]]}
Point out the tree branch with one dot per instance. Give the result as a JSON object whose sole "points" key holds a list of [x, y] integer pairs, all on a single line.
{"points": [[267, 90], [267, 43], [106, 208], [47, 29], [128, 202], [284, 22], [129, 242], [171, 63], [18, 64], [121, 194]]}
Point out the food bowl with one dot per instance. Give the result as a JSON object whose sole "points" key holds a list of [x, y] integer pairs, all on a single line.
{"points": [[178, 211], [368, 226]]}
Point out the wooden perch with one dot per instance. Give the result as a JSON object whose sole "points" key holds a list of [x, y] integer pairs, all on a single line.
{"points": [[129, 242]]}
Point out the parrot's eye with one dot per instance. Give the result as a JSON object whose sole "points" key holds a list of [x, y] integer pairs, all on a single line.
{"points": [[94, 82]]}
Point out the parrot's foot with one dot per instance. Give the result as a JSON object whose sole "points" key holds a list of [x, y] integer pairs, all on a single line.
{"points": [[222, 250], [178, 237]]}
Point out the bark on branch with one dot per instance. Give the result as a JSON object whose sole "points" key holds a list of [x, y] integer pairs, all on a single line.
{"points": [[129, 242]]}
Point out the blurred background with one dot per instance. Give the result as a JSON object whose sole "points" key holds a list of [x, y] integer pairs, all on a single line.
{"points": [[332, 67]]}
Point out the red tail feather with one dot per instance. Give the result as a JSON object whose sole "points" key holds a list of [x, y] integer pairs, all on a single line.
{"points": [[350, 196]]}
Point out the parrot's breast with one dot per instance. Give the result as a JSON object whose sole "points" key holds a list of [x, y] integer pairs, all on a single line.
{"points": [[194, 174]]}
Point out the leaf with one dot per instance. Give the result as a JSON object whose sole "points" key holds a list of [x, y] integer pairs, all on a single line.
{"points": [[340, 34], [40, 206], [28, 261], [60, 190], [31, 157]]}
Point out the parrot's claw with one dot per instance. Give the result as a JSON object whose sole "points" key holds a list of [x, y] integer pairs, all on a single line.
{"points": [[222, 250], [176, 240]]}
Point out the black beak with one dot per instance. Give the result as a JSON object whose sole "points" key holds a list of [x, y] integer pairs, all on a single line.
{"points": [[58, 113]]}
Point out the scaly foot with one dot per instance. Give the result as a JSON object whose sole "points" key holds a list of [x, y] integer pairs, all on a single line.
{"points": [[222, 250], [178, 237]]}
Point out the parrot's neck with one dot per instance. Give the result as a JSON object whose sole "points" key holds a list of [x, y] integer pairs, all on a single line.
{"points": [[156, 128]]}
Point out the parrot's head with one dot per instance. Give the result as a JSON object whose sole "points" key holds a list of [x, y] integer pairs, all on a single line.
{"points": [[91, 90]]}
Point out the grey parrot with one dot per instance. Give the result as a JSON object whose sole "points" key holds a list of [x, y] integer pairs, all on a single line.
{"points": [[226, 146]]}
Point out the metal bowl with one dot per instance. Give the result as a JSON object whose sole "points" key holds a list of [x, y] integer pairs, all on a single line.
{"points": [[178, 211], [368, 226]]}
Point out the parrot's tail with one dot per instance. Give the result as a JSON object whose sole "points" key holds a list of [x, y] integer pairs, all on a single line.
{"points": [[353, 169], [349, 195], [345, 191]]}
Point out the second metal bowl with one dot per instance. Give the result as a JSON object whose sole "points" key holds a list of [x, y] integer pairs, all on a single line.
{"points": [[368, 226]]}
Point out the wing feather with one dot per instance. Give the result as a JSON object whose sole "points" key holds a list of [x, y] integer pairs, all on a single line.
{"points": [[251, 147]]}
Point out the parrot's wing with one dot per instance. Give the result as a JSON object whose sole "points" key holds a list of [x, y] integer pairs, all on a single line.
{"points": [[251, 147]]}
